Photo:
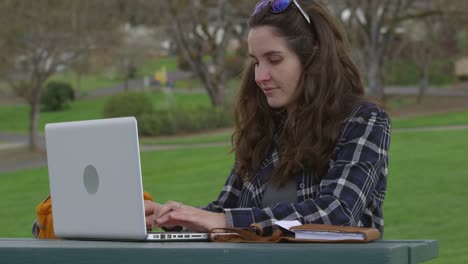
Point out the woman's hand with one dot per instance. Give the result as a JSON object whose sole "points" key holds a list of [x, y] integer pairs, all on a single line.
{"points": [[176, 214], [151, 209]]}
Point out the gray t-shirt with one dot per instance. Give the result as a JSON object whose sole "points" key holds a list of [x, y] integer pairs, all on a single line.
{"points": [[274, 194]]}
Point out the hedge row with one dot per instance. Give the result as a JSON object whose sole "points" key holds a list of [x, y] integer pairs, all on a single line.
{"points": [[167, 122]]}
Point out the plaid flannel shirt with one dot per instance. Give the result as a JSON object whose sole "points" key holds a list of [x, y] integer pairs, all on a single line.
{"points": [[351, 193]]}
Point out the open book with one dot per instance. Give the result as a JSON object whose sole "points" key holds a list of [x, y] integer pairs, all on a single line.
{"points": [[322, 232], [294, 231]]}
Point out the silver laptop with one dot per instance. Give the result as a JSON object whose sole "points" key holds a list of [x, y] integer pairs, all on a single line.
{"points": [[95, 182]]}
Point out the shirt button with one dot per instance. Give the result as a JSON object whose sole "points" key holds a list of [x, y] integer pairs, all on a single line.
{"points": [[302, 185]]}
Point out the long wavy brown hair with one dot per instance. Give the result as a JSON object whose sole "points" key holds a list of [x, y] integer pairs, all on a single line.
{"points": [[329, 88]]}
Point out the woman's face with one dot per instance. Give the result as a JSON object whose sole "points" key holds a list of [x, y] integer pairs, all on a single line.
{"points": [[277, 68]]}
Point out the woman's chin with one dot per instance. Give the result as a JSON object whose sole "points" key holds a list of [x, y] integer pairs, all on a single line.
{"points": [[276, 104]]}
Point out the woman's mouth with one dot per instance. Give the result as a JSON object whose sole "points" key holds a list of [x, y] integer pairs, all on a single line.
{"points": [[268, 90]]}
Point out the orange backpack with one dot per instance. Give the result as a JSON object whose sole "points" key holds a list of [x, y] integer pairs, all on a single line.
{"points": [[43, 227]]}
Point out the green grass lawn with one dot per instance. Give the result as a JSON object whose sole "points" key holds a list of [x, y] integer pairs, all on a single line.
{"points": [[427, 191], [197, 180], [92, 81], [150, 66], [218, 136], [15, 118], [195, 83], [425, 199], [444, 119], [87, 82]]}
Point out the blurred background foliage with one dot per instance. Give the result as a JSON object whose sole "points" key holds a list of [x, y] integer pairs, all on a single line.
{"points": [[176, 66]]}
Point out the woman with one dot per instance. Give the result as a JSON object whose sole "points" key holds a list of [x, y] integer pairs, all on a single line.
{"points": [[309, 146]]}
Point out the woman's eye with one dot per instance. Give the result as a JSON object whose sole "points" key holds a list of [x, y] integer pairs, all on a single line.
{"points": [[275, 60]]}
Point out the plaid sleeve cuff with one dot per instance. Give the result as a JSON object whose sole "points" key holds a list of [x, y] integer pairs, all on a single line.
{"points": [[239, 217]]}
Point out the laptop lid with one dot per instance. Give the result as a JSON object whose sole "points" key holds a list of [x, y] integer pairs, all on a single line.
{"points": [[95, 179], [96, 184]]}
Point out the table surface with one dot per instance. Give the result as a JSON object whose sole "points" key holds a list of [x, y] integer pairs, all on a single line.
{"points": [[68, 251]]}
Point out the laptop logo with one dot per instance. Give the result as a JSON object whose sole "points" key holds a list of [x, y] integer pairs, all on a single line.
{"points": [[91, 179]]}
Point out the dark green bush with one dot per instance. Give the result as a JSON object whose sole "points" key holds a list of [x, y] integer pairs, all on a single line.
{"points": [[128, 104], [165, 122], [202, 119], [57, 96], [233, 66], [184, 121], [183, 64], [159, 123], [405, 72], [137, 104]]}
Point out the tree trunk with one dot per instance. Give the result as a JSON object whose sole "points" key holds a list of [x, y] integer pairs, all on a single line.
{"points": [[373, 54], [423, 81], [34, 122], [79, 93], [374, 80], [126, 83], [211, 82], [218, 96], [215, 91]]}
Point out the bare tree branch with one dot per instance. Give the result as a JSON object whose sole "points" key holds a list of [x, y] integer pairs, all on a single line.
{"points": [[375, 25], [38, 38], [202, 30]]}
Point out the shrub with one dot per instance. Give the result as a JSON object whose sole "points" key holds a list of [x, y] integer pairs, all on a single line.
{"points": [[159, 123], [183, 64], [184, 121], [165, 122], [57, 96], [233, 65], [202, 118], [135, 104], [128, 104], [405, 72]]}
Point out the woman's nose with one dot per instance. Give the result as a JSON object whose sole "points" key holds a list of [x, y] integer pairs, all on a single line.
{"points": [[262, 74]]}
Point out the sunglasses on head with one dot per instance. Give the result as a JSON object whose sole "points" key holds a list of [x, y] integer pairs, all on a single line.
{"points": [[279, 6]]}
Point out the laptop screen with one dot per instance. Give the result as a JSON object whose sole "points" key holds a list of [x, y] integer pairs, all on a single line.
{"points": [[95, 179]]}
